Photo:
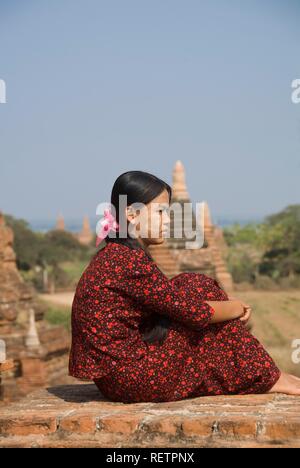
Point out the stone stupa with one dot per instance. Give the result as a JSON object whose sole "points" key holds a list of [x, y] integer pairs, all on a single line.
{"points": [[60, 223], [85, 236], [39, 351]]}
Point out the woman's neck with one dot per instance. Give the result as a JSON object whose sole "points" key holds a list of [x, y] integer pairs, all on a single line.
{"points": [[143, 244]]}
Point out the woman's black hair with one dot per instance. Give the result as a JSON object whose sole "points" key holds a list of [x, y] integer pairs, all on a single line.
{"points": [[140, 187]]}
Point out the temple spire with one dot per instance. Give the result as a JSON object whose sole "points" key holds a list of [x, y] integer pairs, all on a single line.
{"points": [[179, 188], [86, 235], [60, 223], [207, 216], [86, 225]]}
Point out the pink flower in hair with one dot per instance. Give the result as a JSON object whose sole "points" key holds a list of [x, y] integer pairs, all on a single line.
{"points": [[108, 223]]}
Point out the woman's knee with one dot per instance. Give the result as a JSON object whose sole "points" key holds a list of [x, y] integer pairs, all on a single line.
{"points": [[186, 277]]}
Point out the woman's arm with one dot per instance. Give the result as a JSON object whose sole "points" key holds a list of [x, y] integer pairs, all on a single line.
{"points": [[226, 310], [141, 280], [248, 309]]}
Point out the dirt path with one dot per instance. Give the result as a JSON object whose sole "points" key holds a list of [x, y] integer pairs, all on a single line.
{"points": [[63, 299]]}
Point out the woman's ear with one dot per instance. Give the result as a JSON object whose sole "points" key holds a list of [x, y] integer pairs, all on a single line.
{"points": [[130, 215]]}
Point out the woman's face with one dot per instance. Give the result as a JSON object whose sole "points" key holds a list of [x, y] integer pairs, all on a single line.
{"points": [[152, 222]]}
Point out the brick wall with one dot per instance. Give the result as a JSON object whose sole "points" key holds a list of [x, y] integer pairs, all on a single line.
{"points": [[5, 366], [78, 416]]}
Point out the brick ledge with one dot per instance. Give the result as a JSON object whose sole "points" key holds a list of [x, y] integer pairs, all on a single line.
{"points": [[79, 416]]}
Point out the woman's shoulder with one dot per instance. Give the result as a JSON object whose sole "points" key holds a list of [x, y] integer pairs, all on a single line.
{"points": [[114, 253], [112, 260], [117, 248]]}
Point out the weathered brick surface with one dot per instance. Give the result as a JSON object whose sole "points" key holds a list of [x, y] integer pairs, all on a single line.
{"points": [[34, 367], [6, 366], [78, 416]]}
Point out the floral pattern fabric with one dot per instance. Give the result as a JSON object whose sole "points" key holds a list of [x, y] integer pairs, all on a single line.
{"points": [[118, 292]]}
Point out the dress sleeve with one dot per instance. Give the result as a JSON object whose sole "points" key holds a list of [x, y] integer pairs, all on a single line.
{"points": [[145, 283]]}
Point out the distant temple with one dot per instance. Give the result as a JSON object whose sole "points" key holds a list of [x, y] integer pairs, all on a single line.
{"points": [[85, 236], [39, 351], [173, 257], [60, 223]]}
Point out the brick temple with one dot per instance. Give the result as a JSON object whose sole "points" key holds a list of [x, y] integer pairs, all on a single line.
{"points": [[85, 236], [173, 257], [38, 351]]}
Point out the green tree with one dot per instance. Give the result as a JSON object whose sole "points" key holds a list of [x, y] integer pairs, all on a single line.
{"points": [[26, 243], [281, 238]]}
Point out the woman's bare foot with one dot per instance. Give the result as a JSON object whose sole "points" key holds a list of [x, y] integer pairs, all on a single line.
{"points": [[288, 384]]}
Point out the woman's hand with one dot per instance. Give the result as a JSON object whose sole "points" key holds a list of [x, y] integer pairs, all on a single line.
{"points": [[247, 310], [247, 315], [229, 310]]}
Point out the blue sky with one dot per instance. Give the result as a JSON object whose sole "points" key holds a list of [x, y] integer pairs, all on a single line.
{"points": [[97, 88]]}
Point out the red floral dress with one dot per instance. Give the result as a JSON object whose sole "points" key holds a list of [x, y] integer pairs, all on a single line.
{"points": [[119, 289]]}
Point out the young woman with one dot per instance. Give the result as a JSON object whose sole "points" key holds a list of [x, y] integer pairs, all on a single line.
{"points": [[142, 337]]}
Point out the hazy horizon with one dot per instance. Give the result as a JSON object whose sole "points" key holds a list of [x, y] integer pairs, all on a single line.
{"points": [[75, 224]]}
